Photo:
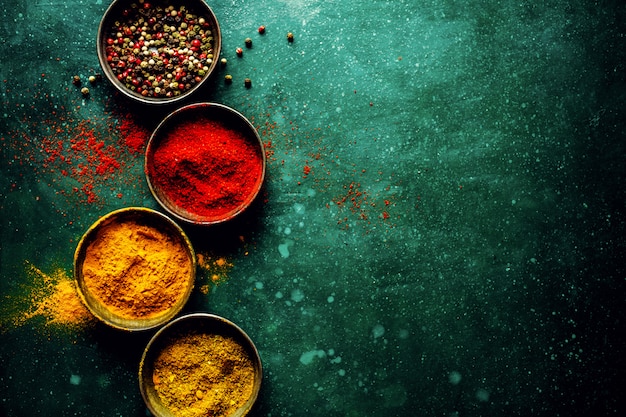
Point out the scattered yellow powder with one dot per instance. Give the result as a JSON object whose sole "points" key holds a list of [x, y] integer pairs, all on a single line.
{"points": [[215, 268], [51, 296]]}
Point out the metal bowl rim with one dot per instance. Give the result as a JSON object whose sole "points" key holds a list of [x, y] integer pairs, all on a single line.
{"points": [[94, 227], [256, 359], [147, 100], [168, 119]]}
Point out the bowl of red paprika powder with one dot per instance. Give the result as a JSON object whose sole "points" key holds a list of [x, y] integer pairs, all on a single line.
{"points": [[158, 51], [205, 163]]}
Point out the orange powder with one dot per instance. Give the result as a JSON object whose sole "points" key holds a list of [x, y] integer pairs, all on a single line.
{"points": [[136, 270], [50, 296]]}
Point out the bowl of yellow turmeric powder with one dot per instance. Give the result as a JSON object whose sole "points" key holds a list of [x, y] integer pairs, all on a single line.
{"points": [[200, 365], [134, 268]]}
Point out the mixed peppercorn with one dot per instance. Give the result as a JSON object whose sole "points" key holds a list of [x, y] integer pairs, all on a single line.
{"points": [[160, 51]]}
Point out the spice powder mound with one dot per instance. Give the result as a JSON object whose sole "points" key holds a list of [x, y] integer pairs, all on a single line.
{"points": [[203, 375], [136, 270], [207, 168]]}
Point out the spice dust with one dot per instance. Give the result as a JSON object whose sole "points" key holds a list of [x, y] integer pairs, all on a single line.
{"points": [[215, 269], [50, 296]]}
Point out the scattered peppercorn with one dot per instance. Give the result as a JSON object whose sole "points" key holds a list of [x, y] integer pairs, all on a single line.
{"points": [[239, 51], [248, 42], [92, 79], [223, 61], [290, 37], [261, 29], [247, 82], [228, 79], [84, 91], [76, 80]]}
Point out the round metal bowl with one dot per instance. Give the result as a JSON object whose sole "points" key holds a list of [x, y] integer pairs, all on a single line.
{"points": [[152, 222], [160, 179], [123, 67], [195, 324]]}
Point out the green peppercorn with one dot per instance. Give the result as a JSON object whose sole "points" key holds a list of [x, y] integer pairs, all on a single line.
{"points": [[228, 79]]}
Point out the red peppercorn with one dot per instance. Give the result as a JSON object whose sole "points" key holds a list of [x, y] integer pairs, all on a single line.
{"points": [[261, 29], [239, 51], [196, 43]]}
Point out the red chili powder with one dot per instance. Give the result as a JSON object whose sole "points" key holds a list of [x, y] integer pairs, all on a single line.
{"points": [[207, 168], [134, 135]]}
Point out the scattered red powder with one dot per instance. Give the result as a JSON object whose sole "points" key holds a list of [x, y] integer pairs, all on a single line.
{"points": [[135, 137], [77, 157]]}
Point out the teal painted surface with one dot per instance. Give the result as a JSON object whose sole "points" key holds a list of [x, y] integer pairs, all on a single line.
{"points": [[477, 271]]}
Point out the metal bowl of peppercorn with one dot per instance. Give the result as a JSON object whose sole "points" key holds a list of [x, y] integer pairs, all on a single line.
{"points": [[205, 163], [200, 365], [157, 51]]}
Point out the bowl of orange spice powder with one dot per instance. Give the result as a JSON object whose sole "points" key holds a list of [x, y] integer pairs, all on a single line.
{"points": [[205, 163], [134, 268], [200, 365]]}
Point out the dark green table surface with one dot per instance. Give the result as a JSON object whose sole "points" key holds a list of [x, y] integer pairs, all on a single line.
{"points": [[455, 250]]}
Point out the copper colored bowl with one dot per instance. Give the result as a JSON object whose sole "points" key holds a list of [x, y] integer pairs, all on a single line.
{"points": [[213, 113], [152, 220]]}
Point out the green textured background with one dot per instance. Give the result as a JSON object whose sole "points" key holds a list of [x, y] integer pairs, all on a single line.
{"points": [[490, 133]]}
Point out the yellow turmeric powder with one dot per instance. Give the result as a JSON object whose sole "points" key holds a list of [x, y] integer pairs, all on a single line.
{"points": [[135, 269], [51, 296], [203, 375]]}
